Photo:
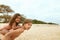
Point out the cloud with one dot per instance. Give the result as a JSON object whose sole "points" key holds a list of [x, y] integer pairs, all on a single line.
{"points": [[46, 10]]}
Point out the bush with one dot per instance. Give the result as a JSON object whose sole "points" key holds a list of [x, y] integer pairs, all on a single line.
{"points": [[38, 22]]}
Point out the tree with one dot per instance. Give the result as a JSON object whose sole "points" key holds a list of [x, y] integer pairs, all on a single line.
{"points": [[38, 22], [3, 17], [52, 23], [5, 10], [22, 18]]}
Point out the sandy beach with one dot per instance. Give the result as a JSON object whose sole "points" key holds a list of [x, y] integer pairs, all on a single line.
{"points": [[40, 32]]}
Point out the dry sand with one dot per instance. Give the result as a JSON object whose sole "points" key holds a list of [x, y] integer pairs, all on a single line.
{"points": [[41, 32]]}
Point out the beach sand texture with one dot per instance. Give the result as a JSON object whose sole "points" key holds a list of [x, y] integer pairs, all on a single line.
{"points": [[40, 32]]}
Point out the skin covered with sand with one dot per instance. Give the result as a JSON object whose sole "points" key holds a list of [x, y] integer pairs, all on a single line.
{"points": [[41, 32]]}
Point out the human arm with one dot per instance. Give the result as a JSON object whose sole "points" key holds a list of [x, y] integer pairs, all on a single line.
{"points": [[15, 27], [5, 27], [14, 33]]}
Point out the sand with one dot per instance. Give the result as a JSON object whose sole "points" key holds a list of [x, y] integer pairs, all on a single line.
{"points": [[40, 32]]}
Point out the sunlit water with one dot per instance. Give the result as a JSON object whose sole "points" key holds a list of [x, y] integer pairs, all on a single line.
{"points": [[40, 32]]}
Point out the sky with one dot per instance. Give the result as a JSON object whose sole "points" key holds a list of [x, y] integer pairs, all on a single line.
{"points": [[44, 10]]}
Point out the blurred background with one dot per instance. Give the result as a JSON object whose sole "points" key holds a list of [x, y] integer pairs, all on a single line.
{"points": [[39, 11]]}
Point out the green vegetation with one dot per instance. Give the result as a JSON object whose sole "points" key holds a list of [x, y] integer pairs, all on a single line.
{"points": [[5, 10], [52, 23], [38, 22]]}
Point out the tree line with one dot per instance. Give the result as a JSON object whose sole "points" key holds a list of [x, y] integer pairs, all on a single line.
{"points": [[5, 10]]}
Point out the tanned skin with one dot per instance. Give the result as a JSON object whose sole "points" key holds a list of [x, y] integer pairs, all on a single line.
{"points": [[13, 24], [15, 33]]}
